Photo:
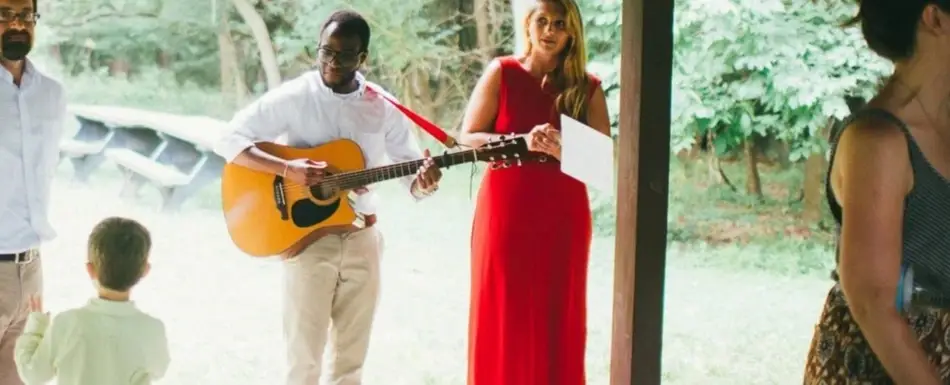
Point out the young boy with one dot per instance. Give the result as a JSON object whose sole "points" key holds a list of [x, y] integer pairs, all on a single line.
{"points": [[108, 341]]}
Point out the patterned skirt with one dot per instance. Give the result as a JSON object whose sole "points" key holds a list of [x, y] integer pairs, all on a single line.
{"points": [[839, 354]]}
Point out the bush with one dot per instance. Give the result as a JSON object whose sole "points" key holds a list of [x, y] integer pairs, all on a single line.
{"points": [[153, 89]]}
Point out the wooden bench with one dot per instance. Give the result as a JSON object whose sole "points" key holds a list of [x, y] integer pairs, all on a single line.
{"points": [[84, 147], [172, 152]]}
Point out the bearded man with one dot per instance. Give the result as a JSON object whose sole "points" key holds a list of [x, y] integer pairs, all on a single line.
{"points": [[32, 111]]}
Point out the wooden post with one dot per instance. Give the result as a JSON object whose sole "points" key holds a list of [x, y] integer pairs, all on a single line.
{"points": [[642, 195]]}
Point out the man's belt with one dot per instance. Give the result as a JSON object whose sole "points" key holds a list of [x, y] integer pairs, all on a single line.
{"points": [[21, 257]]}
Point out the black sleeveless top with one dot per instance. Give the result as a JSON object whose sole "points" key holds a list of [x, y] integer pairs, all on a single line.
{"points": [[926, 227]]}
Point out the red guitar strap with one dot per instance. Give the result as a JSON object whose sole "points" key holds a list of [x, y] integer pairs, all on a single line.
{"points": [[434, 130]]}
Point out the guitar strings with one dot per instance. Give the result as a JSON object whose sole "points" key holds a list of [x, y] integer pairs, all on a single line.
{"points": [[341, 179]]}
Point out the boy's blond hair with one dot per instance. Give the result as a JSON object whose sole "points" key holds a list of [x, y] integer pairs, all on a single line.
{"points": [[118, 251]]}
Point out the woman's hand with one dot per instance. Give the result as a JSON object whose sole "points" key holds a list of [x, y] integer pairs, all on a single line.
{"points": [[544, 138], [555, 136]]}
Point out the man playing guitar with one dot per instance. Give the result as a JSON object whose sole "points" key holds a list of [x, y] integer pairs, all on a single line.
{"points": [[332, 276]]}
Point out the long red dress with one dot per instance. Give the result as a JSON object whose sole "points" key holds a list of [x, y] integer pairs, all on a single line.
{"points": [[531, 239]]}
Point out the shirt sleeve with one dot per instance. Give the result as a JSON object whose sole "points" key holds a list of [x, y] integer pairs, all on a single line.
{"points": [[401, 146], [35, 350], [265, 119], [161, 356]]}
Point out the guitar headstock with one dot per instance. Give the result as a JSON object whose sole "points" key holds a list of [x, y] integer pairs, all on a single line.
{"points": [[504, 152]]}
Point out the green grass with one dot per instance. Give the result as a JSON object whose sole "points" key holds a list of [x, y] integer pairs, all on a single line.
{"points": [[222, 308]]}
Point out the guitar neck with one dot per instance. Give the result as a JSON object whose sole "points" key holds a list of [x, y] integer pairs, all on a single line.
{"points": [[355, 179]]}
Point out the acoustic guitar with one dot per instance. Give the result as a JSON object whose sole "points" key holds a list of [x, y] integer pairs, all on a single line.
{"points": [[266, 214]]}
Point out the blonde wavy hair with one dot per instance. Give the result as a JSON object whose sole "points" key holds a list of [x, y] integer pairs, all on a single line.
{"points": [[570, 76]]}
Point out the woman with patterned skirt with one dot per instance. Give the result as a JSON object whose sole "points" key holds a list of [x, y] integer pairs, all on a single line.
{"points": [[888, 188]]}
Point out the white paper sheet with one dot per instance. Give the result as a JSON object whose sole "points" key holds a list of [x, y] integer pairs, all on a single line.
{"points": [[587, 155]]}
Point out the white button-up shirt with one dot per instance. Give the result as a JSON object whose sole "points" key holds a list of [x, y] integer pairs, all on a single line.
{"points": [[103, 343], [310, 114], [31, 123]]}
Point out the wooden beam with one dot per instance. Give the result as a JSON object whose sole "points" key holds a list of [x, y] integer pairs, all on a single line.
{"points": [[646, 70]]}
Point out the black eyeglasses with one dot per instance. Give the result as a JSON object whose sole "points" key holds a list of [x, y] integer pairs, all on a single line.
{"points": [[327, 55], [28, 17]]}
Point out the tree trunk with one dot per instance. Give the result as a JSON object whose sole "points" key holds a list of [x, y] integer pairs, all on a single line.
{"points": [[813, 186], [265, 46], [227, 59], [483, 30], [753, 184], [163, 59], [468, 33], [119, 67], [232, 78], [423, 93]]}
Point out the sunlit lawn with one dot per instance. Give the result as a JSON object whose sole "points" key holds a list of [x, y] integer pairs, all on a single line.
{"points": [[223, 309]]}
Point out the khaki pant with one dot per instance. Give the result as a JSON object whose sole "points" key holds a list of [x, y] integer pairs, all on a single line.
{"points": [[17, 283], [331, 291]]}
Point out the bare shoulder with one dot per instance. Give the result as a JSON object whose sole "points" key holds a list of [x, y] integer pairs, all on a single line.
{"points": [[874, 149], [494, 69], [874, 136]]}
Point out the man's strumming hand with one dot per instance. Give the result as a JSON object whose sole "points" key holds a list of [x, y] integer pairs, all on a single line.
{"points": [[304, 172]]}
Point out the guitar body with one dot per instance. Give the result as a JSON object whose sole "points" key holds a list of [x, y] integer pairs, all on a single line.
{"points": [[256, 220]]}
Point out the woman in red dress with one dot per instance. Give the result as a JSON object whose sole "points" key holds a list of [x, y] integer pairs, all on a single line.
{"points": [[531, 234]]}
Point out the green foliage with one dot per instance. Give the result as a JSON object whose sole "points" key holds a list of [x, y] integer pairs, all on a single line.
{"points": [[602, 25], [771, 68], [154, 89], [91, 34]]}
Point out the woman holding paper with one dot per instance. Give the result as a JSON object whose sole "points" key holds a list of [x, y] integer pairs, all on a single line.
{"points": [[532, 228]]}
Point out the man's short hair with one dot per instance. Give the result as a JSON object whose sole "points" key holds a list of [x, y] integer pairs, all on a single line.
{"points": [[350, 23], [118, 250]]}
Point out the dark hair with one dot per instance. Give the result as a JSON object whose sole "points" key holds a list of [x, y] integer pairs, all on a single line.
{"points": [[890, 26], [118, 251], [349, 23]]}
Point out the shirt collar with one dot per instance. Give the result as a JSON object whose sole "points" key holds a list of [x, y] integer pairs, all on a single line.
{"points": [[28, 70], [326, 91], [105, 306]]}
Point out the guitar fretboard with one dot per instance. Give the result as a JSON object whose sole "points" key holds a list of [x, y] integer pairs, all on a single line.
{"points": [[355, 179]]}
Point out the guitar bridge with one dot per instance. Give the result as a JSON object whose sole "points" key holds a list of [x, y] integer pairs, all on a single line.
{"points": [[280, 198]]}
